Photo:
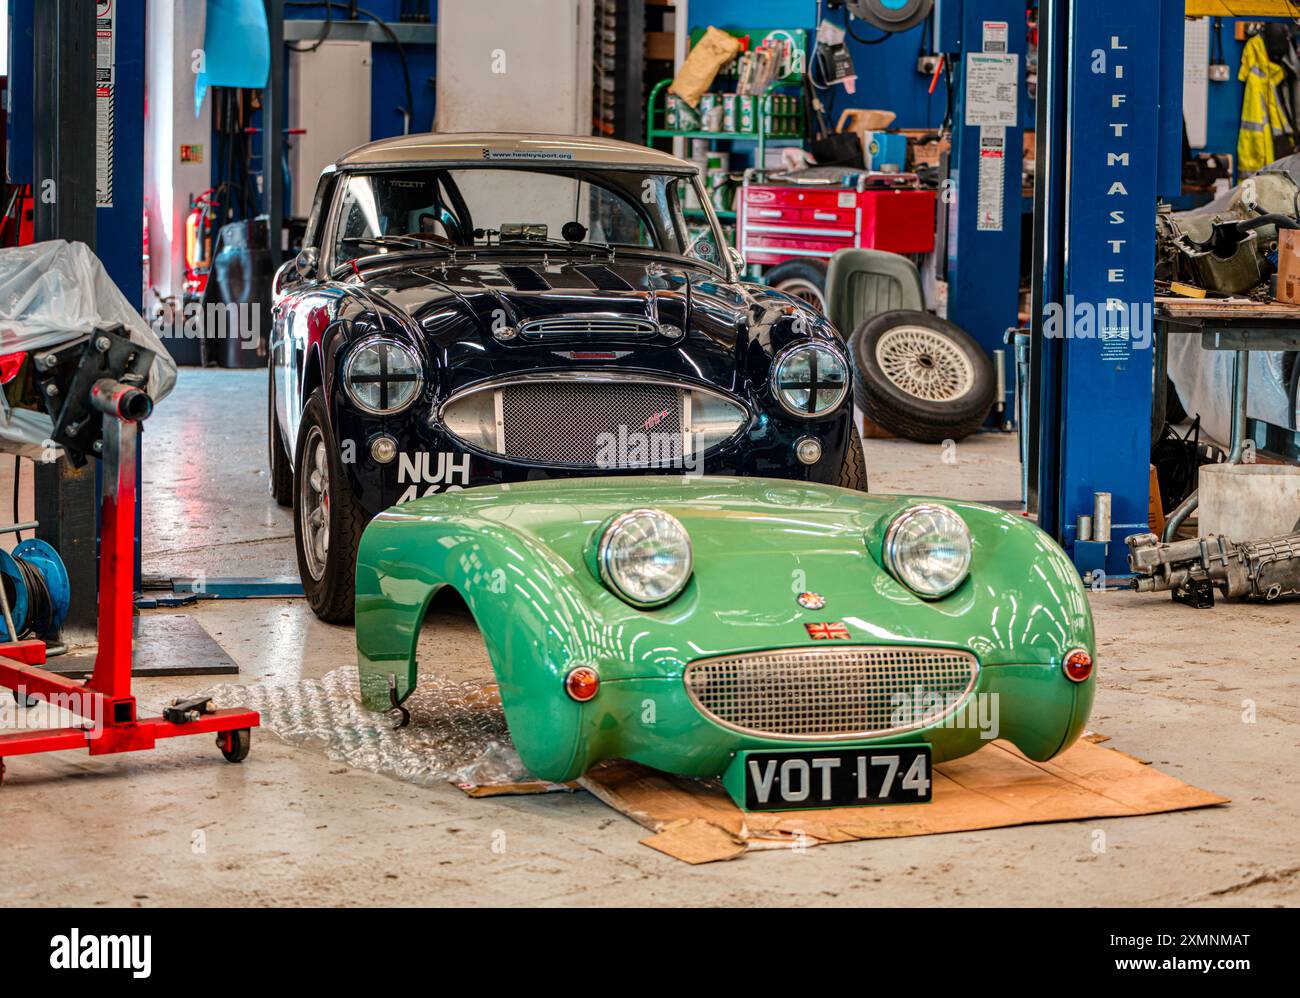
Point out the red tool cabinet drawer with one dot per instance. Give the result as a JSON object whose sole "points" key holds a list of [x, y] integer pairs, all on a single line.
{"points": [[783, 222], [898, 221]]}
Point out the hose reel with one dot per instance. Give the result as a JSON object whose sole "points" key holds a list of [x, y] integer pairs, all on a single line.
{"points": [[891, 15], [37, 589]]}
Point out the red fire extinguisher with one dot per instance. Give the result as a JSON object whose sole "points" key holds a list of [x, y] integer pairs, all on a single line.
{"points": [[199, 224]]}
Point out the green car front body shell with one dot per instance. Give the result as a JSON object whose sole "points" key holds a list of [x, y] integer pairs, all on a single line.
{"points": [[522, 558]]}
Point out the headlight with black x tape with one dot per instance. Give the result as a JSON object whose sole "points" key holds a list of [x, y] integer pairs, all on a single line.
{"points": [[382, 376], [810, 379]]}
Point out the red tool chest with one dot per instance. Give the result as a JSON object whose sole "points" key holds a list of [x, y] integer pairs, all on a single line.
{"points": [[780, 222]]}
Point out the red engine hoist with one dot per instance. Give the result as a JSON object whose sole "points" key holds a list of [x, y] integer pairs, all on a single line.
{"points": [[94, 390]]}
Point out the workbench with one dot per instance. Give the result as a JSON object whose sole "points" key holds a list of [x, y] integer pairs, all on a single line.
{"points": [[1239, 325]]}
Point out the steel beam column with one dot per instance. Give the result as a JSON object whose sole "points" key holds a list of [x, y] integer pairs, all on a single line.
{"points": [[63, 37], [1043, 473], [63, 140], [274, 122]]}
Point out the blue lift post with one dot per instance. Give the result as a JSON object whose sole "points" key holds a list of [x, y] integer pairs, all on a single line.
{"points": [[984, 199], [1109, 141]]}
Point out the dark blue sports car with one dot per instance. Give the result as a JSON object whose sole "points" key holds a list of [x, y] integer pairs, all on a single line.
{"points": [[482, 309]]}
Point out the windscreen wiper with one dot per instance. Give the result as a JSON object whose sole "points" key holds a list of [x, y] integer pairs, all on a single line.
{"points": [[559, 244], [405, 242]]}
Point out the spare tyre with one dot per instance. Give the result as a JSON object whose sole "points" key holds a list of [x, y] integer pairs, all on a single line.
{"points": [[804, 279], [921, 377]]}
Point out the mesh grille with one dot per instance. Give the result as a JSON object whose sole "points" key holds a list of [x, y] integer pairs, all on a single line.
{"points": [[817, 693], [565, 423], [587, 325]]}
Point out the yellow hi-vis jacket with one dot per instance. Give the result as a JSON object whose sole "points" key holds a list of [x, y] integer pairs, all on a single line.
{"points": [[1262, 116]]}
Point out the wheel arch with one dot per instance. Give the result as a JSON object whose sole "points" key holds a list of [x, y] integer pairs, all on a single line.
{"points": [[312, 378], [403, 564]]}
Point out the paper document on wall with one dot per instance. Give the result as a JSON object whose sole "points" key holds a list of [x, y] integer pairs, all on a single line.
{"points": [[992, 89], [1196, 81], [991, 198]]}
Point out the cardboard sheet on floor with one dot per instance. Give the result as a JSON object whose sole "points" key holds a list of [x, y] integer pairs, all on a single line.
{"points": [[997, 787]]}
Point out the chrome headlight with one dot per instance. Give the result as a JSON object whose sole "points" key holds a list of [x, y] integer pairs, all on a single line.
{"points": [[810, 379], [644, 557], [382, 376], [928, 549]]}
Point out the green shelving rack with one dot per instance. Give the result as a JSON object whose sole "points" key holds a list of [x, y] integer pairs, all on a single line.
{"points": [[778, 113]]}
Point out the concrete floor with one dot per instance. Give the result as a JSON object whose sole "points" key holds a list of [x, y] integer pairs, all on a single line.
{"points": [[179, 826]]}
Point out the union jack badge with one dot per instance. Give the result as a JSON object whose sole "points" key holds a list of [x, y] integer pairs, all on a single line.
{"points": [[828, 632]]}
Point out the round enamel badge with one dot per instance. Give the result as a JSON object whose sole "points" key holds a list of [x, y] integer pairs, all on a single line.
{"points": [[812, 601]]}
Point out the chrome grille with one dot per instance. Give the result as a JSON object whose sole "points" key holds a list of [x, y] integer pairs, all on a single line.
{"points": [[575, 423], [832, 693], [559, 326]]}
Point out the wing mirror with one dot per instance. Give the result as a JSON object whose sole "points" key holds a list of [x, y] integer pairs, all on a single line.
{"points": [[307, 260], [737, 258]]}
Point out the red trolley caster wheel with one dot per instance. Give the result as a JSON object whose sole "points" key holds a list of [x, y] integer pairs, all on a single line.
{"points": [[234, 745]]}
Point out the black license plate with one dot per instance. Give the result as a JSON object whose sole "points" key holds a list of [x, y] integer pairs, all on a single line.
{"points": [[775, 781]]}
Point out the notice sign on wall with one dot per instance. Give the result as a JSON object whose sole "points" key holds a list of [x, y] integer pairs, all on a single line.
{"points": [[105, 90], [996, 34], [992, 180], [992, 89]]}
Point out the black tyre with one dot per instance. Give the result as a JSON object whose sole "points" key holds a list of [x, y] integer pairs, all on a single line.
{"points": [[280, 470], [853, 473], [921, 377], [804, 279], [327, 519], [234, 745]]}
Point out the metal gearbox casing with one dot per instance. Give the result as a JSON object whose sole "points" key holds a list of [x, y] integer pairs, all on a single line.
{"points": [[1180, 235], [1265, 570]]}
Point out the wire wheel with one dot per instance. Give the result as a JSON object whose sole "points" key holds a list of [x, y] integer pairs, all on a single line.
{"points": [[801, 278], [921, 377], [314, 508], [805, 291], [925, 364]]}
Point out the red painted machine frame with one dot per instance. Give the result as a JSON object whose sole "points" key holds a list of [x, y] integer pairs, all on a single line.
{"points": [[780, 222], [104, 701]]}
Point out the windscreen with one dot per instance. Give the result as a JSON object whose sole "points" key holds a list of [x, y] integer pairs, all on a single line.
{"points": [[395, 210]]}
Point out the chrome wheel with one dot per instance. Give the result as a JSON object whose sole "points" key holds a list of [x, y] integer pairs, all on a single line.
{"points": [[924, 364], [314, 505], [805, 291]]}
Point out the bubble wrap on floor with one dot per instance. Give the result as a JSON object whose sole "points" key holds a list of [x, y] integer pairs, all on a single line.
{"points": [[457, 731]]}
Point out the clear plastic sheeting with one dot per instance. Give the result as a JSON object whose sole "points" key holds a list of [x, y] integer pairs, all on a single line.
{"points": [[1204, 382], [51, 293], [457, 732]]}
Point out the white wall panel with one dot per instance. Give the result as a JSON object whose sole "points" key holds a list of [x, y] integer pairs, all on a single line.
{"points": [[329, 96], [504, 65], [173, 33]]}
